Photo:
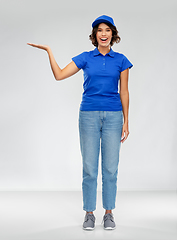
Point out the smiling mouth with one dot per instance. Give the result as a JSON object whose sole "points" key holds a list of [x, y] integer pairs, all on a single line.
{"points": [[103, 39]]}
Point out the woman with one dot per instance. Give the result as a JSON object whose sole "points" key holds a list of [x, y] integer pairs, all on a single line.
{"points": [[103, 114]]}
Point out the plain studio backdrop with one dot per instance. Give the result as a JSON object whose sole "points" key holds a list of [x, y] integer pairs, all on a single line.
{"points": [[39, 135]]}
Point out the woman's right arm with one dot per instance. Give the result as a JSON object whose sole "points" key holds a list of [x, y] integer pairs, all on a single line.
{"points": [[58, 73]]}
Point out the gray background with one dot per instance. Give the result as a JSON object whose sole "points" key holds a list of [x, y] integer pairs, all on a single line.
{"points": [[39, 137]]}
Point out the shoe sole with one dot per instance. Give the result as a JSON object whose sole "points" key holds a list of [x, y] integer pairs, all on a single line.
{"points": [[88, 228], [109, 228]]}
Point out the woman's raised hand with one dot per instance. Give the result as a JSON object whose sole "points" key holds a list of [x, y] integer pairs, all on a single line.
{"points": [[59, 73], [44, 47]]}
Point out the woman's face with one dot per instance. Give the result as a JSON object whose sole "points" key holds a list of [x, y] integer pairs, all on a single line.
{"points": [[104, 32]]}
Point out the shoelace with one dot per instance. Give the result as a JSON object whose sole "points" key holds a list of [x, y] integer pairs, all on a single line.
{"points": [[90, 216], [108, 216]]}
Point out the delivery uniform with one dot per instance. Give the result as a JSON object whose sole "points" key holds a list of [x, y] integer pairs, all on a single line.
{"points": [[100, 117]]}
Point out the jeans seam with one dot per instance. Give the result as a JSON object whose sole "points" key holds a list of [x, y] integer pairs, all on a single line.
{"points": [[102, 172]]}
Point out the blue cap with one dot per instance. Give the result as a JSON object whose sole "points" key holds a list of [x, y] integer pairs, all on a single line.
{"points": [[103, 18]]}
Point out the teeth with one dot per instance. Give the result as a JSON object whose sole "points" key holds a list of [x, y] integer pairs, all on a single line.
{"points": [[103, 38]]}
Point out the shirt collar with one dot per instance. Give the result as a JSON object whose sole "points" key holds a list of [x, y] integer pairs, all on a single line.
{"points": [[96, 52]]}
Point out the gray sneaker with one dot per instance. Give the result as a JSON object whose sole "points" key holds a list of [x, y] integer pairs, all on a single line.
{"points": [[89, 222], [108, 220]]}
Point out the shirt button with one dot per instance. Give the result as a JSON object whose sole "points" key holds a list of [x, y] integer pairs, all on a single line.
{"points": [[103, 63]]}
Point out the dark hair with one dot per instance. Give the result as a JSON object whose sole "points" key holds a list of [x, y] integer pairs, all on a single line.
{"points": [[115, 36]]}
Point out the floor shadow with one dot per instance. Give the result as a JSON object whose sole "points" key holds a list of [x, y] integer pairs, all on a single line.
{"points": [[77, 233]]}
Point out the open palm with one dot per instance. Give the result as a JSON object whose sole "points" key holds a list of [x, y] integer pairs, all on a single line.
{"points": [[44, 47]]}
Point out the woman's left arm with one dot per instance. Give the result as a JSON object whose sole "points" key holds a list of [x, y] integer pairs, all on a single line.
{"points": [[124, 96]]}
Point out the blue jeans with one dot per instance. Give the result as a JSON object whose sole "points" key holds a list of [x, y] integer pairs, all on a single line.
{"points": [[93, 126]]}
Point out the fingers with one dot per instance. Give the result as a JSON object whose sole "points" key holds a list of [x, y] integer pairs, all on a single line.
{"points": [[44, 47], [122, 133], [33, 45], [123, 138], [30, 44]]}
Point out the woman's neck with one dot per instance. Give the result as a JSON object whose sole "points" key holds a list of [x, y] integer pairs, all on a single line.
{"points": [[104, 50]]}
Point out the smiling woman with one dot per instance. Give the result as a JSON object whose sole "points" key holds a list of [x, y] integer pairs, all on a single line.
{"points": [[98, 28], [103, 114]]}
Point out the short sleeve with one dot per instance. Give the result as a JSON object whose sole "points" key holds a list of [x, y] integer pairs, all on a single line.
{"points": [[126, 64], [80, 60]]}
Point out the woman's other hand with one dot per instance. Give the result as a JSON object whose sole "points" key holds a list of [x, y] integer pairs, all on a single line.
{"points": [[125, 132]]}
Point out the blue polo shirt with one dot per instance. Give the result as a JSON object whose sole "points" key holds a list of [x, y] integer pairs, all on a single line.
{"points": [[101, 77]]}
